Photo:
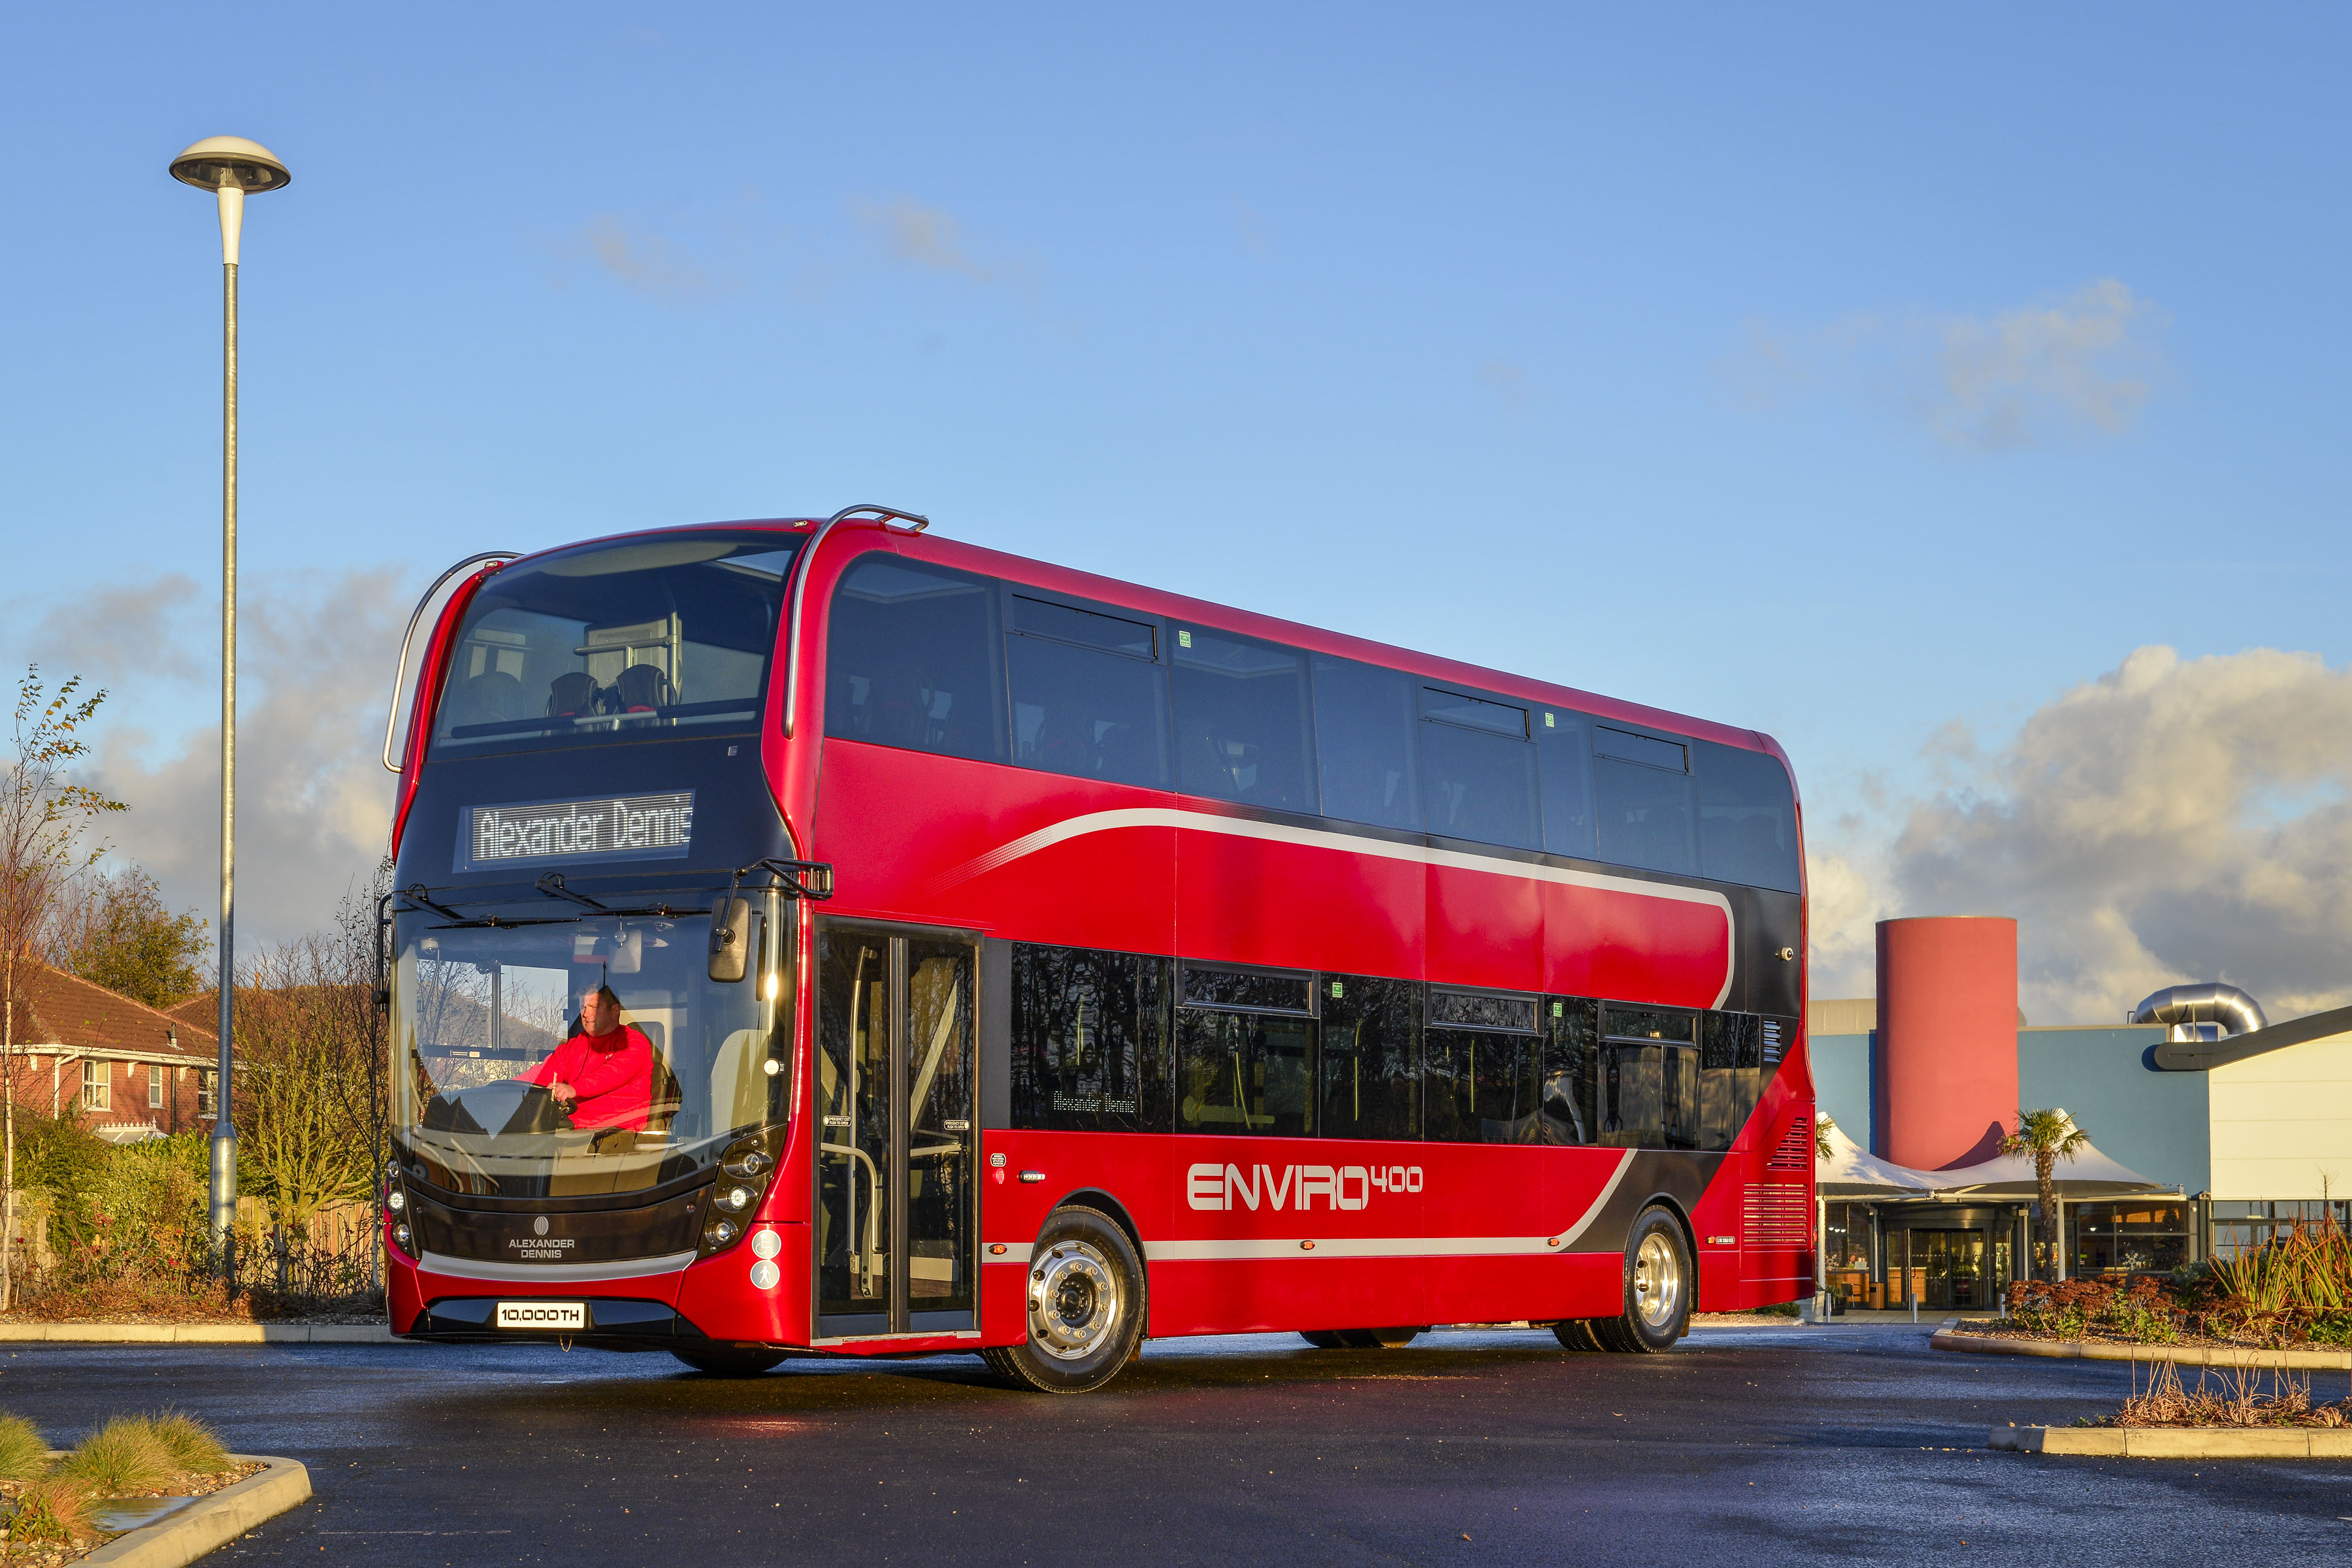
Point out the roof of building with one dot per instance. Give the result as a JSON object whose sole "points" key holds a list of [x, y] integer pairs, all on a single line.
{"points": [[55, 1008], [1851, 1015]]}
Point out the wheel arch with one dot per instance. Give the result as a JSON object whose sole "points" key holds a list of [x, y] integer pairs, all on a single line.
{"points": [[1675, 1206], [1096, 1198]]}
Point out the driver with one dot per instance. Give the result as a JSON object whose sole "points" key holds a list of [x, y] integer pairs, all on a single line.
{"points": [[602, 1075]]}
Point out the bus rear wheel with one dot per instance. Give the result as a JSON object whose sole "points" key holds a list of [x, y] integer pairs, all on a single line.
{"points": [[1658, 1281], [732, 1362], [1323, 1338], [1085, 1306], [1379, 1339], [1577, 1334]]}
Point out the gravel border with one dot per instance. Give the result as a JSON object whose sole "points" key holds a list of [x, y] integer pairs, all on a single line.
{"points": [[2101, 1350], [198, 1333], [2178, 1442], [210, 1522]]}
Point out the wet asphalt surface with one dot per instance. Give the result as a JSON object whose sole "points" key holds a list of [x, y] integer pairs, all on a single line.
{"points": [[1743, 1446]]}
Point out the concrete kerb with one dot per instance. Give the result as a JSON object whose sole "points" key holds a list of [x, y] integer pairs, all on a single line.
{"points": [[2185, 1355], [199, 1335], [2178, 1442], [209, 1521]]}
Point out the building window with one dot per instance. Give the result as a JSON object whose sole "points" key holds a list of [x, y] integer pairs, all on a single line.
{"points": [[2131, 1237], [156, 1071], [97, 1084], [204, 1092], [2241, 1227]]}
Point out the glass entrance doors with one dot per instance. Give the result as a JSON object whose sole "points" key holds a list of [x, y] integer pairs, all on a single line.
{"points": [[1949, 1266], [896, 1189]]}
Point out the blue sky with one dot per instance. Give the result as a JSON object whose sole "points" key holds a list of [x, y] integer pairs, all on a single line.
{"points": [[1845, 374]]}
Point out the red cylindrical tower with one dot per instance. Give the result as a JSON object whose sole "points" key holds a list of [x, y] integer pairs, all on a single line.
{"points": [[1947, 1038]]}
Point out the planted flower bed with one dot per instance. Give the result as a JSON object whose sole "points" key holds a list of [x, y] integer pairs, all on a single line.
{"points": [[2294, 1293], [55, 1509], [2240, 1397]]}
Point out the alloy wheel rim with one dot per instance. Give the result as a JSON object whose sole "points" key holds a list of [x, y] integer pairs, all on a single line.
{"points": [[1657, 1281], [1072, 1299]]}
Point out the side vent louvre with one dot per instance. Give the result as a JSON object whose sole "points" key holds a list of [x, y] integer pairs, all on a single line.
{"points": [[1771, 1039], [1778, 1216], [1795, 1149]]}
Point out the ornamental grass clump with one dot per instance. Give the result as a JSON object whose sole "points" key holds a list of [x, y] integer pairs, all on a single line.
{"points": [[2297, 1286], [122, 1458], [51, 1512], [23, 1452], [194, 1450]]}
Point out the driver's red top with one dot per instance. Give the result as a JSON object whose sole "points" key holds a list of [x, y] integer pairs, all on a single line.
{"points": [[613, 1074]]}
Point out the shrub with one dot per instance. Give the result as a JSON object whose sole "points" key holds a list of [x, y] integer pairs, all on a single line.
{"points": [[120, 1457], [194, 1450], [2140, 1309], [23, 1452], [54, 1511]]}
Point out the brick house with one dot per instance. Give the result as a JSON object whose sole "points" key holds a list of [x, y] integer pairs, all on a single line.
{"points": [[129, 1070]]}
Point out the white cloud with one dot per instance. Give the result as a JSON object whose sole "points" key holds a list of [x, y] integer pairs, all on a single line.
{"points": [[2172, 820], [644, 260], [2035, 375], [313, 802]]}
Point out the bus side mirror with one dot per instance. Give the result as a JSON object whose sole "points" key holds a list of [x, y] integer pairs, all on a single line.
{"points": [[731, 939]]}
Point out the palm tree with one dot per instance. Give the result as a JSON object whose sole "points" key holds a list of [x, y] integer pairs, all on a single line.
{"points": [[2049, 1136], [1822, 1148]]}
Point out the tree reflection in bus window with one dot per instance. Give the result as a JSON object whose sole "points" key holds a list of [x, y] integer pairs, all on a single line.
{"points": [[1371, 1056], [1243, 1072]]}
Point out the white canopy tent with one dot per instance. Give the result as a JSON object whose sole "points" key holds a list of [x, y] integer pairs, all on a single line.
{"points": [[1850, 1171], [2089, 1175]]}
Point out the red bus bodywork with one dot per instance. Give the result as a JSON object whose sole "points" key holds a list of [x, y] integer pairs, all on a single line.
{"points": [[1239, 1233]]}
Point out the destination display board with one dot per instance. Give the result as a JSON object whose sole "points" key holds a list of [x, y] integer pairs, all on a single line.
{"points": [[571, 832]]}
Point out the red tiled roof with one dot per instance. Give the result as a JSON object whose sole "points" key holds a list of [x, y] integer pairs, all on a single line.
{"points": [[57, 1008]]}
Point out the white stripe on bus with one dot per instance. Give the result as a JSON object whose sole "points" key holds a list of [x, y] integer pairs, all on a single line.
{"points": [[1344, 843], [1262, 1249]]}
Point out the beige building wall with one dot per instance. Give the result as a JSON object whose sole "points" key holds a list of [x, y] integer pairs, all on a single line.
{"points": [[2282, 1123]]}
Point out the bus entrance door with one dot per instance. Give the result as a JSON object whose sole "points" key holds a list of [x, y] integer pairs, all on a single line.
{"points": [[897, 1185]]}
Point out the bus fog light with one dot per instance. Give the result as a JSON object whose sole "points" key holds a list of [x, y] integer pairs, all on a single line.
{"points": [[767, 1244], [764, 1275], [400, 1236], [720, 1232]]}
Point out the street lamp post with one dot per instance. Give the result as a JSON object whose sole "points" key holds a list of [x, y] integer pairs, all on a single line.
{"points": [[229, 167]]}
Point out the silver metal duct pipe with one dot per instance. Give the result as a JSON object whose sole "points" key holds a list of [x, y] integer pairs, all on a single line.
{"points": [[2181, 1009]]}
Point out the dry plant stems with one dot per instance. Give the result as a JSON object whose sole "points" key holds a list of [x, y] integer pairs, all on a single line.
{"points": [[123, 1456], [193, 1448], [23, 1452], [2228, 1397]]}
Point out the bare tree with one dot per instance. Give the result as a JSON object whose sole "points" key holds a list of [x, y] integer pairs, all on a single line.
{"points": [[45, 816]]}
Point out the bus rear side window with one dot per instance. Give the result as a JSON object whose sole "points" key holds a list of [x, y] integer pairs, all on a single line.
{"points": [[1747, 817], [911, 661], [1477, 768], [1643, 803]]}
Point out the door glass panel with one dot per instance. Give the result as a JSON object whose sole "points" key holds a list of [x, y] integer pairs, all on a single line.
{"points": [[939, 1138], [852, 1096]]}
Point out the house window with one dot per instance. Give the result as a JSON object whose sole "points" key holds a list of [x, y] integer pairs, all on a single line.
{"points": [[156, 1071], [97, 1084], [204, 1091]]}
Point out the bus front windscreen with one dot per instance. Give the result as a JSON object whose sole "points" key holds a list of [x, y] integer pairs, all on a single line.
{"points": [[641, 639], [570, 1058]]}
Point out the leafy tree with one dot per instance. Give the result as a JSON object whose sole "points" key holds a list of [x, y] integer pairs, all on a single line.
{"points": [[44, 815], [1822, 1148], [2049, 1136], [117, 933]]}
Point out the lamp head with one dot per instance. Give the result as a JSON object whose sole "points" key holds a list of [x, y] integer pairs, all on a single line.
{"points": [[230, 163]]}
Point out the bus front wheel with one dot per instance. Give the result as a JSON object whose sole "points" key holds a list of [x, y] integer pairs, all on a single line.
{"points": [[1658, 1280], [732, 1362], [1085, 1306]]}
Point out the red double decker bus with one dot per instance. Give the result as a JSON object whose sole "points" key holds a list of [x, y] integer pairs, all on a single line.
{"points": [[822, 936]]}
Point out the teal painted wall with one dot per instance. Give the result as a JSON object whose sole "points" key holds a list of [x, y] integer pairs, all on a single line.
{"points": [[2159, 1123], [1841, 1083]]}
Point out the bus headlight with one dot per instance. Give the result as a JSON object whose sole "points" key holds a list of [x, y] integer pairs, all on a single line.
{"points": [[734, 1200], [746, 1169], [400, 1239], [395, 1200]]}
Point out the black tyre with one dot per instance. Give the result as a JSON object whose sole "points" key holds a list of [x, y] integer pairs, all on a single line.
{"points": [[1379, 1339], [732, 1361], [1087, 1306], [1324, 1339], [1659, 1282], [1576, 1335]]}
